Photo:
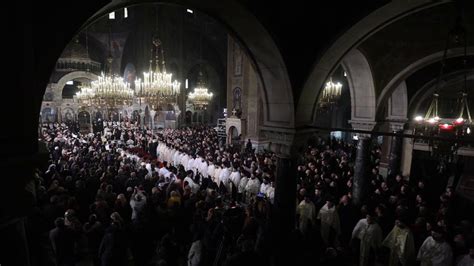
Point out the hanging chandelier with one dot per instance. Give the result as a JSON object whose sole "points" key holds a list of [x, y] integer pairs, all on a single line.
{"points": [[200, 97], [108, 90], [330, 95], [157, 86], [111, 90], [455, 125]]}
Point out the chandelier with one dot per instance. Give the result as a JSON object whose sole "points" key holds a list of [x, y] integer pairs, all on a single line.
{"points": [[200, 97], [157, 86], [111, 90], [331, 94], [456, 125], [108, 91]]}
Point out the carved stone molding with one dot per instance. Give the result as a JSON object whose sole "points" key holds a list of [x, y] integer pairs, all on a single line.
{"points": [[366, 125]]}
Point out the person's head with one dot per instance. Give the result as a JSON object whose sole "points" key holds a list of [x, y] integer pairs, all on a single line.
{"points": [[59, 222], [437, 234], [345, 200], [138, 197], [419, 198], [317, 192], [330, 202], [116, 219], [398, 178], [370, 217], [92, 218], [421, 184]]}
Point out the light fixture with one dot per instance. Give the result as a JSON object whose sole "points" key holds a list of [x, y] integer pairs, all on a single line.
{"points": [[201, 96], [109, 91], [432, 124], [157, 86], [330, 95]]}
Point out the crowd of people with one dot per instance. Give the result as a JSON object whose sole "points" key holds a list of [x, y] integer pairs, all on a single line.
{"points": [[400, 222], [127, 196]]}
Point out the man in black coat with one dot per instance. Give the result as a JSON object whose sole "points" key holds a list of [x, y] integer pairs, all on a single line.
{"points": [[62, 241]]}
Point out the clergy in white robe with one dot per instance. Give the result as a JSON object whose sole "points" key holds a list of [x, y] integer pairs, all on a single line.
{"points": [[184, 161], [210, 170], [203, 168], [401, 243], [241, 188], [435, 251], [190, 165], [271, 192], [252, 188], [370, 235], [193, 185], [329, 222], [235, 177], [306, 212], [224, 178], [264, 186], [217, 173]]}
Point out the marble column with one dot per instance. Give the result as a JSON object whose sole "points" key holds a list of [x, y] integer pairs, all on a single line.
{"points": [[361, 171], [395, 155]]}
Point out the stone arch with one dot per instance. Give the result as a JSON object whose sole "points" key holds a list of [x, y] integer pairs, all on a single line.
{"points": [[330, 59], [361, 86], [397, 104], [254, 38], [58, 87]]}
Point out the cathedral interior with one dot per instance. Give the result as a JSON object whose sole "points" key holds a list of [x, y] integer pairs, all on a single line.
{"points": [[349, 121]]}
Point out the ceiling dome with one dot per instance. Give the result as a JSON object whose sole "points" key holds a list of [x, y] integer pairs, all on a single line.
{"points": [[75, 50]]}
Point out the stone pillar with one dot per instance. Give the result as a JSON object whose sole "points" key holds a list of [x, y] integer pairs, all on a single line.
{"points": [[283, 219], [361, 171], [406, 154], [152, 114], [395, 155], [14, 242]]}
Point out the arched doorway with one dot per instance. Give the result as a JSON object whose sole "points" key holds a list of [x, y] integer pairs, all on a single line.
{"points": [[84, 119], [98, 116], [233, 136], [189, 117]]}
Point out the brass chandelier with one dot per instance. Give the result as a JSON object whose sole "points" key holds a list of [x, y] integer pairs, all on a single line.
{"points": [[458, 124], [330, 95], [201, 96], [157, 86]]}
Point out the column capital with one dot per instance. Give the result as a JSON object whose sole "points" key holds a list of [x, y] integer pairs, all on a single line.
{"points": [[367, 125], [397, 124]]}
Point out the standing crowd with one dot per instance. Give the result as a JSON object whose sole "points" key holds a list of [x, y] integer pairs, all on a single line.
{"points": [[126, 196]]}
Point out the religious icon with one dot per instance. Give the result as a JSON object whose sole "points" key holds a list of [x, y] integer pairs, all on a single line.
{"points": [[237, 98]]}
